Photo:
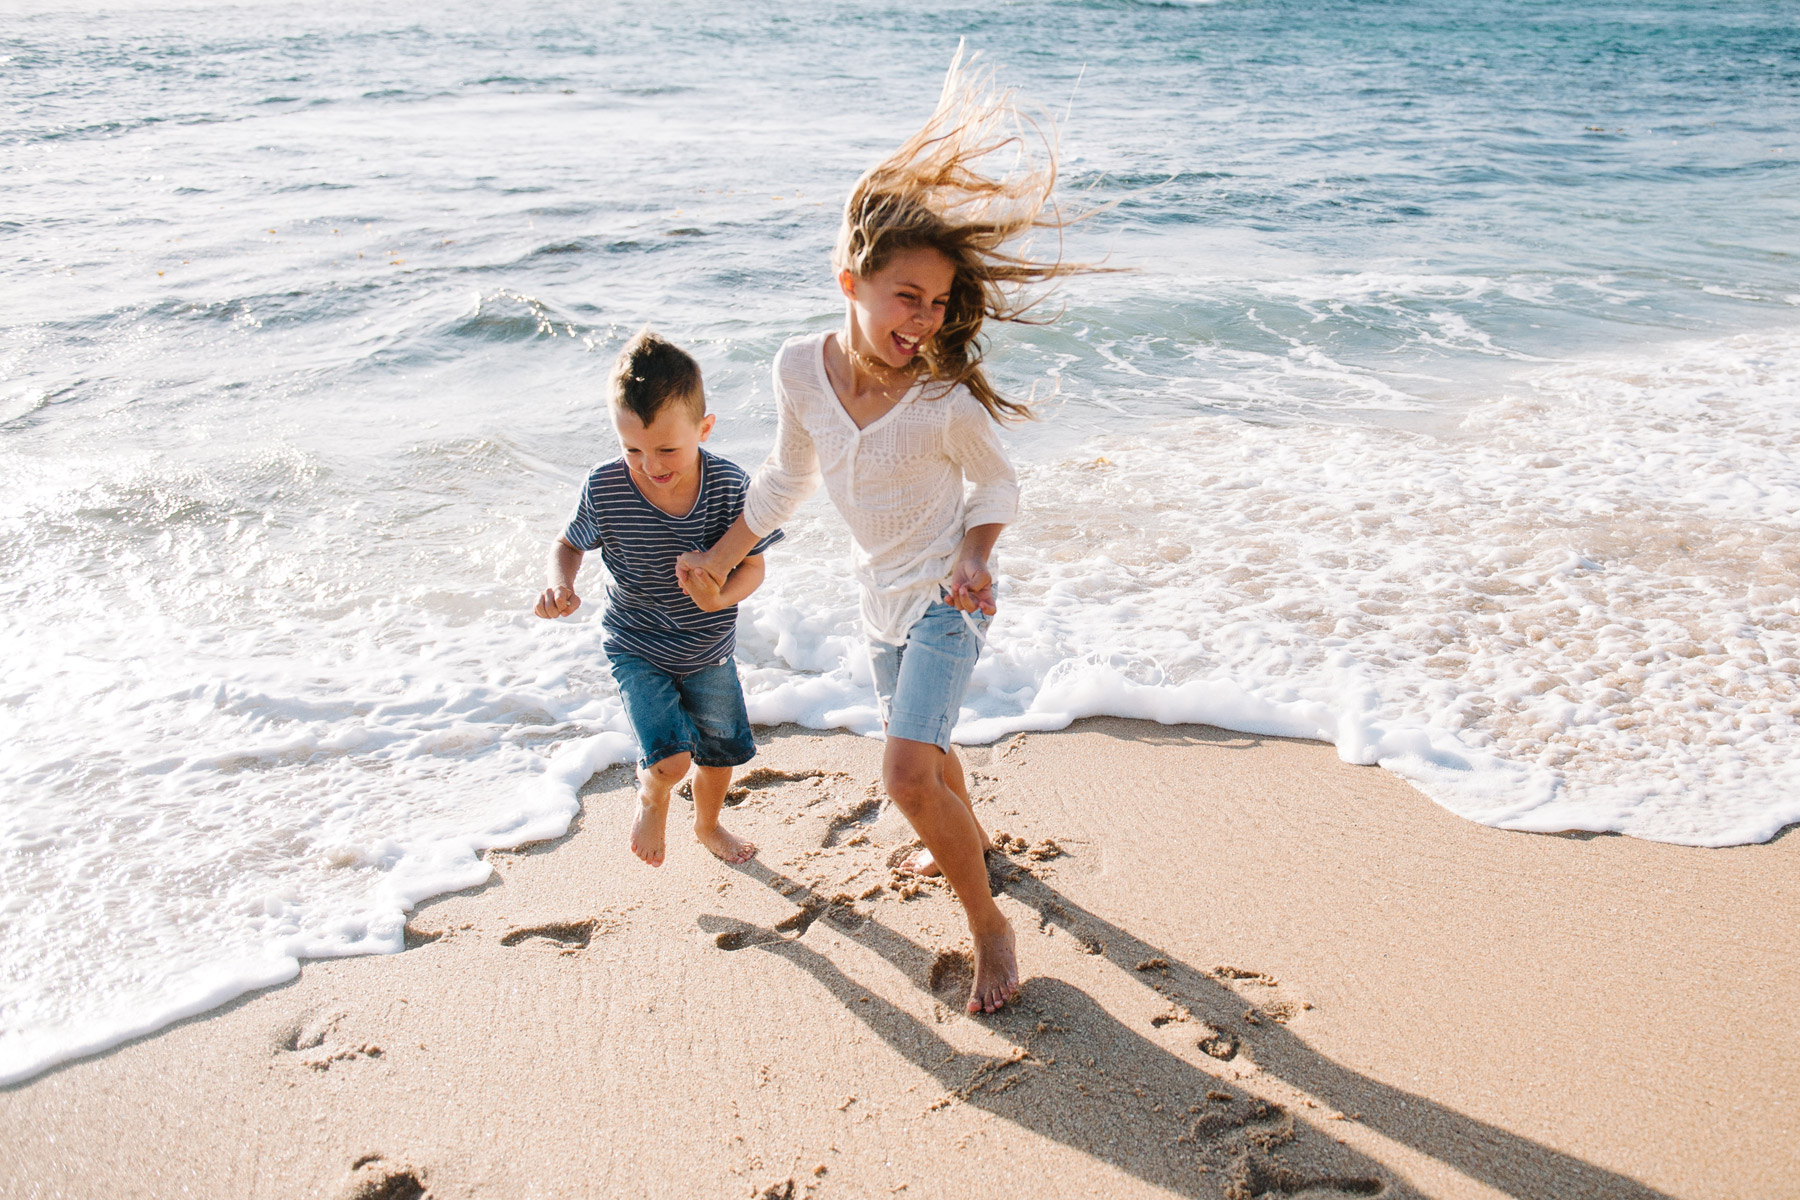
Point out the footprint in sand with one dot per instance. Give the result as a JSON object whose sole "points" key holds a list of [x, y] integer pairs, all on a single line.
{"points": [[1220, 1044], [1266, 1005], [801, 921], [856, 818], [571, 936], [754, 780], [311, 1038], [307, 1031], [840, 911], [952, 975], [373, 1179], [1253, 1174]]}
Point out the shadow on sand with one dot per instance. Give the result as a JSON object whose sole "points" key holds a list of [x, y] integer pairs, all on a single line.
{"points": [[1078, 1075]]}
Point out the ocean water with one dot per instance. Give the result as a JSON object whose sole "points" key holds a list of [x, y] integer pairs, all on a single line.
{"points": [[1445, 414]]}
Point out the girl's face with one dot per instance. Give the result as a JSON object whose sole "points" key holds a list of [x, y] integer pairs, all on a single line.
{"points": [[896, 310]]}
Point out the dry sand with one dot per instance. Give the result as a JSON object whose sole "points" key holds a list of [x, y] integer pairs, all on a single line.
{"points": [[1252, 970]]}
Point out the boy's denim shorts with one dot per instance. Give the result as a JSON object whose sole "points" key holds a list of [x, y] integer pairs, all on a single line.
{"points": [[920, 685], [699, 713]]}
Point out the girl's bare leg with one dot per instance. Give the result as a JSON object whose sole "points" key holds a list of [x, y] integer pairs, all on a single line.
{"points": [[922, 862], [710, 784], [915, 774]]}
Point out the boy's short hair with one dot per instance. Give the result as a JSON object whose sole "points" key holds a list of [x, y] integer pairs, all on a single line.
{"points": [[652, 373]]}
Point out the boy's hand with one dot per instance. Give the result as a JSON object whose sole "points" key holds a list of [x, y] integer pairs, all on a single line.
{"points": [[557, 602], [972, 586], [701, 586]]}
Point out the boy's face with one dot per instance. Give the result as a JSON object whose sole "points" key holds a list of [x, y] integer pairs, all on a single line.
{"points": [[663, 456]]}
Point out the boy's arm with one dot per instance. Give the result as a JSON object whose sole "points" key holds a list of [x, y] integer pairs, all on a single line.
{"points": [[559, 599], [708, 595]]}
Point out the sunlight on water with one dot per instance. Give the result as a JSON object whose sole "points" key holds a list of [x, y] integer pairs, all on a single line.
{"points": [[1445, 415]]}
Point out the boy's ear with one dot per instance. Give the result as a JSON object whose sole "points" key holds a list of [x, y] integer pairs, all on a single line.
{"points": [[706, 425], [847, 283]]}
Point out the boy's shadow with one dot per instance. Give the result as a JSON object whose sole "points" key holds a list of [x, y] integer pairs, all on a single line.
{"points": [[1078, 1075]]}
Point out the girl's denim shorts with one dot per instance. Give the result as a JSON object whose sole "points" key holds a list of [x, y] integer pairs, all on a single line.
{"points": [[920, 685], [699, 713]]}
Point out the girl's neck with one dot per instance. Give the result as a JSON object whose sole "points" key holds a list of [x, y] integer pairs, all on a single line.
{"points": [[869, 376]]}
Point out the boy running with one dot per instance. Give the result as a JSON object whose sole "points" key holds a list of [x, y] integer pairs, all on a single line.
{"points": [[671, 653]]}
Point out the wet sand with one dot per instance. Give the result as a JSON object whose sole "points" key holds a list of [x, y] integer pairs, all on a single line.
{"points": [[1251, 970]]}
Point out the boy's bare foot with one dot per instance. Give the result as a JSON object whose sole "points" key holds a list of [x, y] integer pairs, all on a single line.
{"points": [[647, 830], [996, 972], [728, 846]]}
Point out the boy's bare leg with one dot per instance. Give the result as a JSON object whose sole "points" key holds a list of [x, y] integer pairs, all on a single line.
{"points": [[921, 862], [654, 784], [914, 773], [710, 784]]}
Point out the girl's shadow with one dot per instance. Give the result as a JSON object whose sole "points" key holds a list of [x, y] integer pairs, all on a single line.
{"points": [[1080, 1076]]}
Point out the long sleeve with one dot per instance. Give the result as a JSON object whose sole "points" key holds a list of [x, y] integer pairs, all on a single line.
{"points": [[973, 443], [791, 472]]}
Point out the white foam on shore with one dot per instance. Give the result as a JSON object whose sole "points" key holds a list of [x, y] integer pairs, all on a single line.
{"points": [[1577, 612], [242, 747]]}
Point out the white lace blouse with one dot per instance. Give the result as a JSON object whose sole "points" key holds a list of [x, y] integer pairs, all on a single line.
{"points": [[898, 483]]}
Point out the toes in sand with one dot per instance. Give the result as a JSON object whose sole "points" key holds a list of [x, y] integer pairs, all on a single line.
{"points": [[996, 971], [726, 845], [647, 830], [921, 862]]}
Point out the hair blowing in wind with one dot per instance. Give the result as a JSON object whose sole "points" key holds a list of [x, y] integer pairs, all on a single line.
{"points": [[976, 183]]}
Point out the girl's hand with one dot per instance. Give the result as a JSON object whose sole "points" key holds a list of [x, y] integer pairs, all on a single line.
{"points": [[701, 586], [972, 586], [696, 560], [557, 602]]}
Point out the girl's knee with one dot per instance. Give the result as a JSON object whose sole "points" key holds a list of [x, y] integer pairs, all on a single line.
{"points": [[910, 778]]}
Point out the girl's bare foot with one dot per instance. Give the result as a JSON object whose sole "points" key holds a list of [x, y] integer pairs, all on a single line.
{"points": [[920, 862], [728, 846], [996, 971], [647, 829]]}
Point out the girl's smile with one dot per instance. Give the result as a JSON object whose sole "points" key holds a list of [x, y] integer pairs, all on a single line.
{"points": [[896, 310]]}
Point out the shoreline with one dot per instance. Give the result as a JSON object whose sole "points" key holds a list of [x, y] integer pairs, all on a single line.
{"points": [[1487, 1012]]}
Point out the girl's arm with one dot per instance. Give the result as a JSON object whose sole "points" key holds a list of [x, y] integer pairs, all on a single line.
{"points": [[787, 477], [725, 555], [708, 596], [973, 443], [971, 583]]}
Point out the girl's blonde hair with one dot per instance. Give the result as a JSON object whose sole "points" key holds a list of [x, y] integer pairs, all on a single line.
{"points": [[934, 192]]}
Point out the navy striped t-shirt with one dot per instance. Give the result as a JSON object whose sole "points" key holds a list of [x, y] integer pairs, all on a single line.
{"points": [[647, 613]]}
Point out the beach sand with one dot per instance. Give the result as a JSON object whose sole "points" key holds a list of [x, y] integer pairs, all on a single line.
{"points": [[1252, 970]]}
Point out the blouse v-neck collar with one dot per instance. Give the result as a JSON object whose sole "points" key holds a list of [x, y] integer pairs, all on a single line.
{"points": [[837, 401]]}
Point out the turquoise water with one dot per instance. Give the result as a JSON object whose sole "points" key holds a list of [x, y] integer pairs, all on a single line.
{"points": [[1444, 412]]}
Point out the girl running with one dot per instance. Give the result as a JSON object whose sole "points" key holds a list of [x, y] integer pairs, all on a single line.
{"points": [[894, 412]]}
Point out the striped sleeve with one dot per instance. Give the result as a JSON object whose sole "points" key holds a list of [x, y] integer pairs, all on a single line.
{"points": [[583, 530]]}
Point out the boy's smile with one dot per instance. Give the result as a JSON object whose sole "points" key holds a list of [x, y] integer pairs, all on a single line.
{"points": [[664, 456]]}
